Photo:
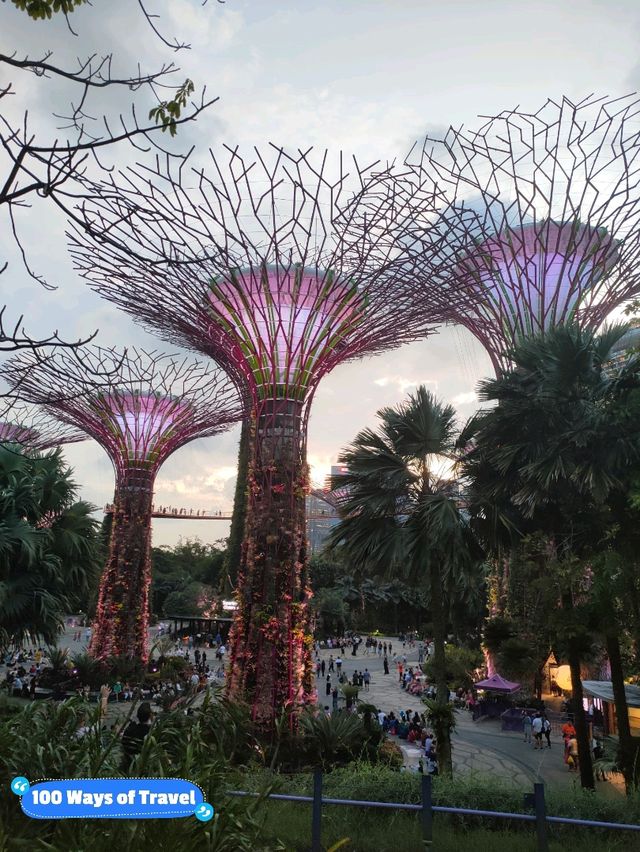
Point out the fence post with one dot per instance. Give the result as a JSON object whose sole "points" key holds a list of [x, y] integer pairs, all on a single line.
{"points": [[316, 813], [426, 813], [541, 817]]}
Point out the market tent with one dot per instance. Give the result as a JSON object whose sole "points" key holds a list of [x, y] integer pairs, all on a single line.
{"points": [[603, 689], [495, 683]]}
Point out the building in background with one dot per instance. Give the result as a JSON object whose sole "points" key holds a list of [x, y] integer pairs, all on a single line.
{"points": [[322, 511]]}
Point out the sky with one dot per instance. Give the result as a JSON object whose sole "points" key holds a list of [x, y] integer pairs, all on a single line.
{"points": [[367, 77]]}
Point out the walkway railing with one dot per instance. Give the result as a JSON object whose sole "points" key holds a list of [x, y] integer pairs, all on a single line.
{"points": [[427, 809]]}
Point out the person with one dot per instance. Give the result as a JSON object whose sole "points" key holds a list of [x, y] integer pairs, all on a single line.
{"points": [[385, 662], [526, 721], [334, 698], [328, 687], [134, 734], [572, 759], [323, 667], [117, 689], [331, 663], [598, 754], [536, 728], [546, 730], [366, 677], [428, 744], [338, 664]]}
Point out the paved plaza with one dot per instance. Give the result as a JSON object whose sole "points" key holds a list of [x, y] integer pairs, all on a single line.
{"points": [[477, 746]]}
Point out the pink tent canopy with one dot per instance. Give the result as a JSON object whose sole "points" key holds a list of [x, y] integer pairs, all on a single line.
{"points": [[498, 684]]}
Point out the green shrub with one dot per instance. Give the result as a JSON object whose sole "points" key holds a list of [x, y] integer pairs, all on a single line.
{"points": [[331, 740], [460, 665], [390, 754], [41, 742]]}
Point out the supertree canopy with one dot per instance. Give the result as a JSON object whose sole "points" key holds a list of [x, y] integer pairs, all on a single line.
{"points": [[279, 269], [543, 214], [34, 429], [155, 405]]}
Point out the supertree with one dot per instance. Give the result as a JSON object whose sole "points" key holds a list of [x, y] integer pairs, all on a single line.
{"points": [[543, 215], [34, 429], [155, 405], [280, 267]]}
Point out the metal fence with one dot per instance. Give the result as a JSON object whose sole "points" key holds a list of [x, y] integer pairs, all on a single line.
{"points": [[427, 809]]}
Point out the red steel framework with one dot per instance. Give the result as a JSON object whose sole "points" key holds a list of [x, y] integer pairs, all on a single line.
{"points": [[155, 405], [35, 429], [543, 215], [280, 267]]}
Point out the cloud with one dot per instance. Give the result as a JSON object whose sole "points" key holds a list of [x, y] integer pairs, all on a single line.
{"points": [[403, 384], [465, 398]]}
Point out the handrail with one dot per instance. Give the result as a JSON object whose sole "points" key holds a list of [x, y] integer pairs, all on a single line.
{"points": [[540, 817]]}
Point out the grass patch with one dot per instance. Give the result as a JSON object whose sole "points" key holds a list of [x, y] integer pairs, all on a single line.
{"points": [[367, 831]]}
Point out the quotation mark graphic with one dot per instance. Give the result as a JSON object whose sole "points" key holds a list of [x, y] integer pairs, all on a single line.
{"points": [[20, 785], [204, 812]]}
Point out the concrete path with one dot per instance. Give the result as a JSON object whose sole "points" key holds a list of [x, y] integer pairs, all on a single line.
{"points": [[477, 746]]}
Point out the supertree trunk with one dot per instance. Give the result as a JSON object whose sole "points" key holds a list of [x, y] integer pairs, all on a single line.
{"points": [[122, 613], [270, 661], [233, 557]]}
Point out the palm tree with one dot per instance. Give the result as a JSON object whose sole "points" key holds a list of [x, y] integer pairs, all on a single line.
{"points": [[48, 545], [548, 457], [401, 511]]}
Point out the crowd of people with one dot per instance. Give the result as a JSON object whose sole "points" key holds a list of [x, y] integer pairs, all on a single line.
{"points": [[24, 667]]}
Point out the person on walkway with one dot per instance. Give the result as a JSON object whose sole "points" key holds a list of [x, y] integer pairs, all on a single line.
{"points": [[323, 667], [526, 721], [598, 754], [546, 730], [134, 735], [573, 755], [536, 728], [338, 665], [331, 663], [328, 687], [366, 677], [334, 697], [386, 665]]}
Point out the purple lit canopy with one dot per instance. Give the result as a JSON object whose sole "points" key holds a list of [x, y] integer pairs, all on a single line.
{"points": [[542, 213], [35, 429]]}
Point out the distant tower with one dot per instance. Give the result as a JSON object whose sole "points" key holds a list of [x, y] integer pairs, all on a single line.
{"points": [[276, 271], [155, 405], [543, 216], [34, 429]]}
